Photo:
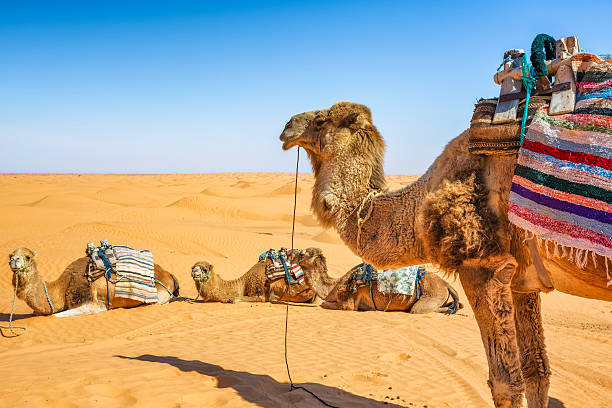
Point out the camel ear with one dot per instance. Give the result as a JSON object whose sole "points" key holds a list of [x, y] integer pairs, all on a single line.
{"points": [[34, 254]]}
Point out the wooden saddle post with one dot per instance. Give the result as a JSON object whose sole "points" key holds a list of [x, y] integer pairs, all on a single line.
{"points": [[564, 90], [507, 106]]}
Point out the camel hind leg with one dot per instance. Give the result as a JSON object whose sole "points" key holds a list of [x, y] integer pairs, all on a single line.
{"points": [[534, 361], [488, 291]]}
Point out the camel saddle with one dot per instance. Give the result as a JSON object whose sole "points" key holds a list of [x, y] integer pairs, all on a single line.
{"points": [[277, 266], [403, 281], [102, 259], [491, 139]]}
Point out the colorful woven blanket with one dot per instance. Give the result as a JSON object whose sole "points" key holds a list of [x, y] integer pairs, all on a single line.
{"points": [[402, 280], [595, 91], [562, 185], [135, 274]]}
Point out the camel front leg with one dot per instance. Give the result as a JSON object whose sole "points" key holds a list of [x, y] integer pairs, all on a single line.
{"points": [[488, 291], [534, 361]]}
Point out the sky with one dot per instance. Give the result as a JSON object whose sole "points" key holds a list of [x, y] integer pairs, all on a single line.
{"points": [[198, 87]]}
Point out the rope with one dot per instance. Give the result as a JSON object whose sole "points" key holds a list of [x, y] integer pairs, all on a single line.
{"points": [[529, 83], [360, 221], [48, 298], [293, 386], [419, 288], [10, 322]]}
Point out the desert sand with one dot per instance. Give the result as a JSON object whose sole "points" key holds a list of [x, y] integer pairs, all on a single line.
{"points": [[223, 355]]}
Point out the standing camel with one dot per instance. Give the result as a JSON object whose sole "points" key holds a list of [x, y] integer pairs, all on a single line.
{"points": [[455, 215]]}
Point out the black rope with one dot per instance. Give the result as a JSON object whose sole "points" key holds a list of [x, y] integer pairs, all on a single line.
{"points": [[292, 386]]}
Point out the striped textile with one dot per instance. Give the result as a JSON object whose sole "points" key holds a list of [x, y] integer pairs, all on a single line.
{"points": [[135, 274], [595, 91], [562, 185]]}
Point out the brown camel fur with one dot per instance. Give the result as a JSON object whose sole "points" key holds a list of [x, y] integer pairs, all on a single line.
{"points": [[437, 295], [455, 215], [252, 286], [72, 289]]}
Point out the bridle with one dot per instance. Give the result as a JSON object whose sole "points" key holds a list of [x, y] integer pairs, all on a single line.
{"points": [[203, 276]]}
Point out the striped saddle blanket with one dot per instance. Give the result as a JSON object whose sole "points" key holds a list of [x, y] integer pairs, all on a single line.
{"points": [[135, 274], [562, 185], [276, 261]]}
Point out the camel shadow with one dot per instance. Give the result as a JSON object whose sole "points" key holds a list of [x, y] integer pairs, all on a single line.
{"points": [[264, 390], [4, 317], [555, 403]]}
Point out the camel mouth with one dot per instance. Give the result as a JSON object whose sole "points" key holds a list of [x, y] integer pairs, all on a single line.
{"points": [[199, 273], [17, 264], [289, 143]]}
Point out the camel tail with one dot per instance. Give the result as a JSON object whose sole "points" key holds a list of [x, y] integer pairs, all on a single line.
{"points": [[455, 304], [175, 293]]}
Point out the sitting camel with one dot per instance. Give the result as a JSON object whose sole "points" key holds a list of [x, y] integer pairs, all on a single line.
{"points": [[72, 290], [254, 285], [455, 215], [436, 296]]}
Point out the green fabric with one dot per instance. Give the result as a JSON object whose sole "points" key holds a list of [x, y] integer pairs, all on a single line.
{"points": [[542, 49], [570, 187]]}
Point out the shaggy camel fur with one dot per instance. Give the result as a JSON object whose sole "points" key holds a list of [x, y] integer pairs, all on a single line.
{"points": [[437, 295], [253, 286], [72, 289], [455, 215]]}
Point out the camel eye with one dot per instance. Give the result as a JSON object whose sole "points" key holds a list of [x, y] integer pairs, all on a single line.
{"points": [[319, 122], [27, 257]]}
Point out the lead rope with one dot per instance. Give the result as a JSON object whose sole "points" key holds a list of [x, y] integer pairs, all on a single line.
{"points": [[292, 386], [10, 322]]}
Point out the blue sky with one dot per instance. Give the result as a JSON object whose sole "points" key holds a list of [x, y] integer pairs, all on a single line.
{"points": [[191, 87]]}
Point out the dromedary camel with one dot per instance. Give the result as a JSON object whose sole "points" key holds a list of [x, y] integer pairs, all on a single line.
{"points": [[252, 286], [455, 215], [72, 289], [436, 294]]}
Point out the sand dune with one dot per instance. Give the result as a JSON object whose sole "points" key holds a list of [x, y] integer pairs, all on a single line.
{"points": [[215, 355]]}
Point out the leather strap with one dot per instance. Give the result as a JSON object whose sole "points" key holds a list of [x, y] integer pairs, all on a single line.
{"points": [[539, 265]]}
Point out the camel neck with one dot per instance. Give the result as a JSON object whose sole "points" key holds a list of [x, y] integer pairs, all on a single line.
{"points": [[32, 290], [235, 286], [321, 282]]}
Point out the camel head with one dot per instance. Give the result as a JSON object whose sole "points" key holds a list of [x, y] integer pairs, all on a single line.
{"points": [[329, 132], [346, 152], [312, 258], [22, 262], [201, 271]]}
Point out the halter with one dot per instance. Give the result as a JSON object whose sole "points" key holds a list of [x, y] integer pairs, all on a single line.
{"points": [[17, 269], [203, 276]]}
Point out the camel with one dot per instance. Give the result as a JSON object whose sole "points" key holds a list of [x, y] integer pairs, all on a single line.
{"points": [[71, 290], [437, 295], [455, 215], [252, 286]]}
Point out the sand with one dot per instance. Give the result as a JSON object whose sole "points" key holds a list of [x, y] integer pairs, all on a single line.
{"points": [[217, 355]]}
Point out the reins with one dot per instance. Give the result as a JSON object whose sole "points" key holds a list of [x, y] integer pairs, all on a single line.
{"points": [[293, 386], [10, 322]]}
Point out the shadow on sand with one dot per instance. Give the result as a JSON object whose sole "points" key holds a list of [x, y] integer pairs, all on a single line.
{"points": [[555, 403], [4, 317], [264, 390]]}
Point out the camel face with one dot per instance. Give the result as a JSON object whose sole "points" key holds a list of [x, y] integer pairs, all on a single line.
{"points": [[201, 271], [295, 128], [21, 259], [310, 256], [326, 133]]}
